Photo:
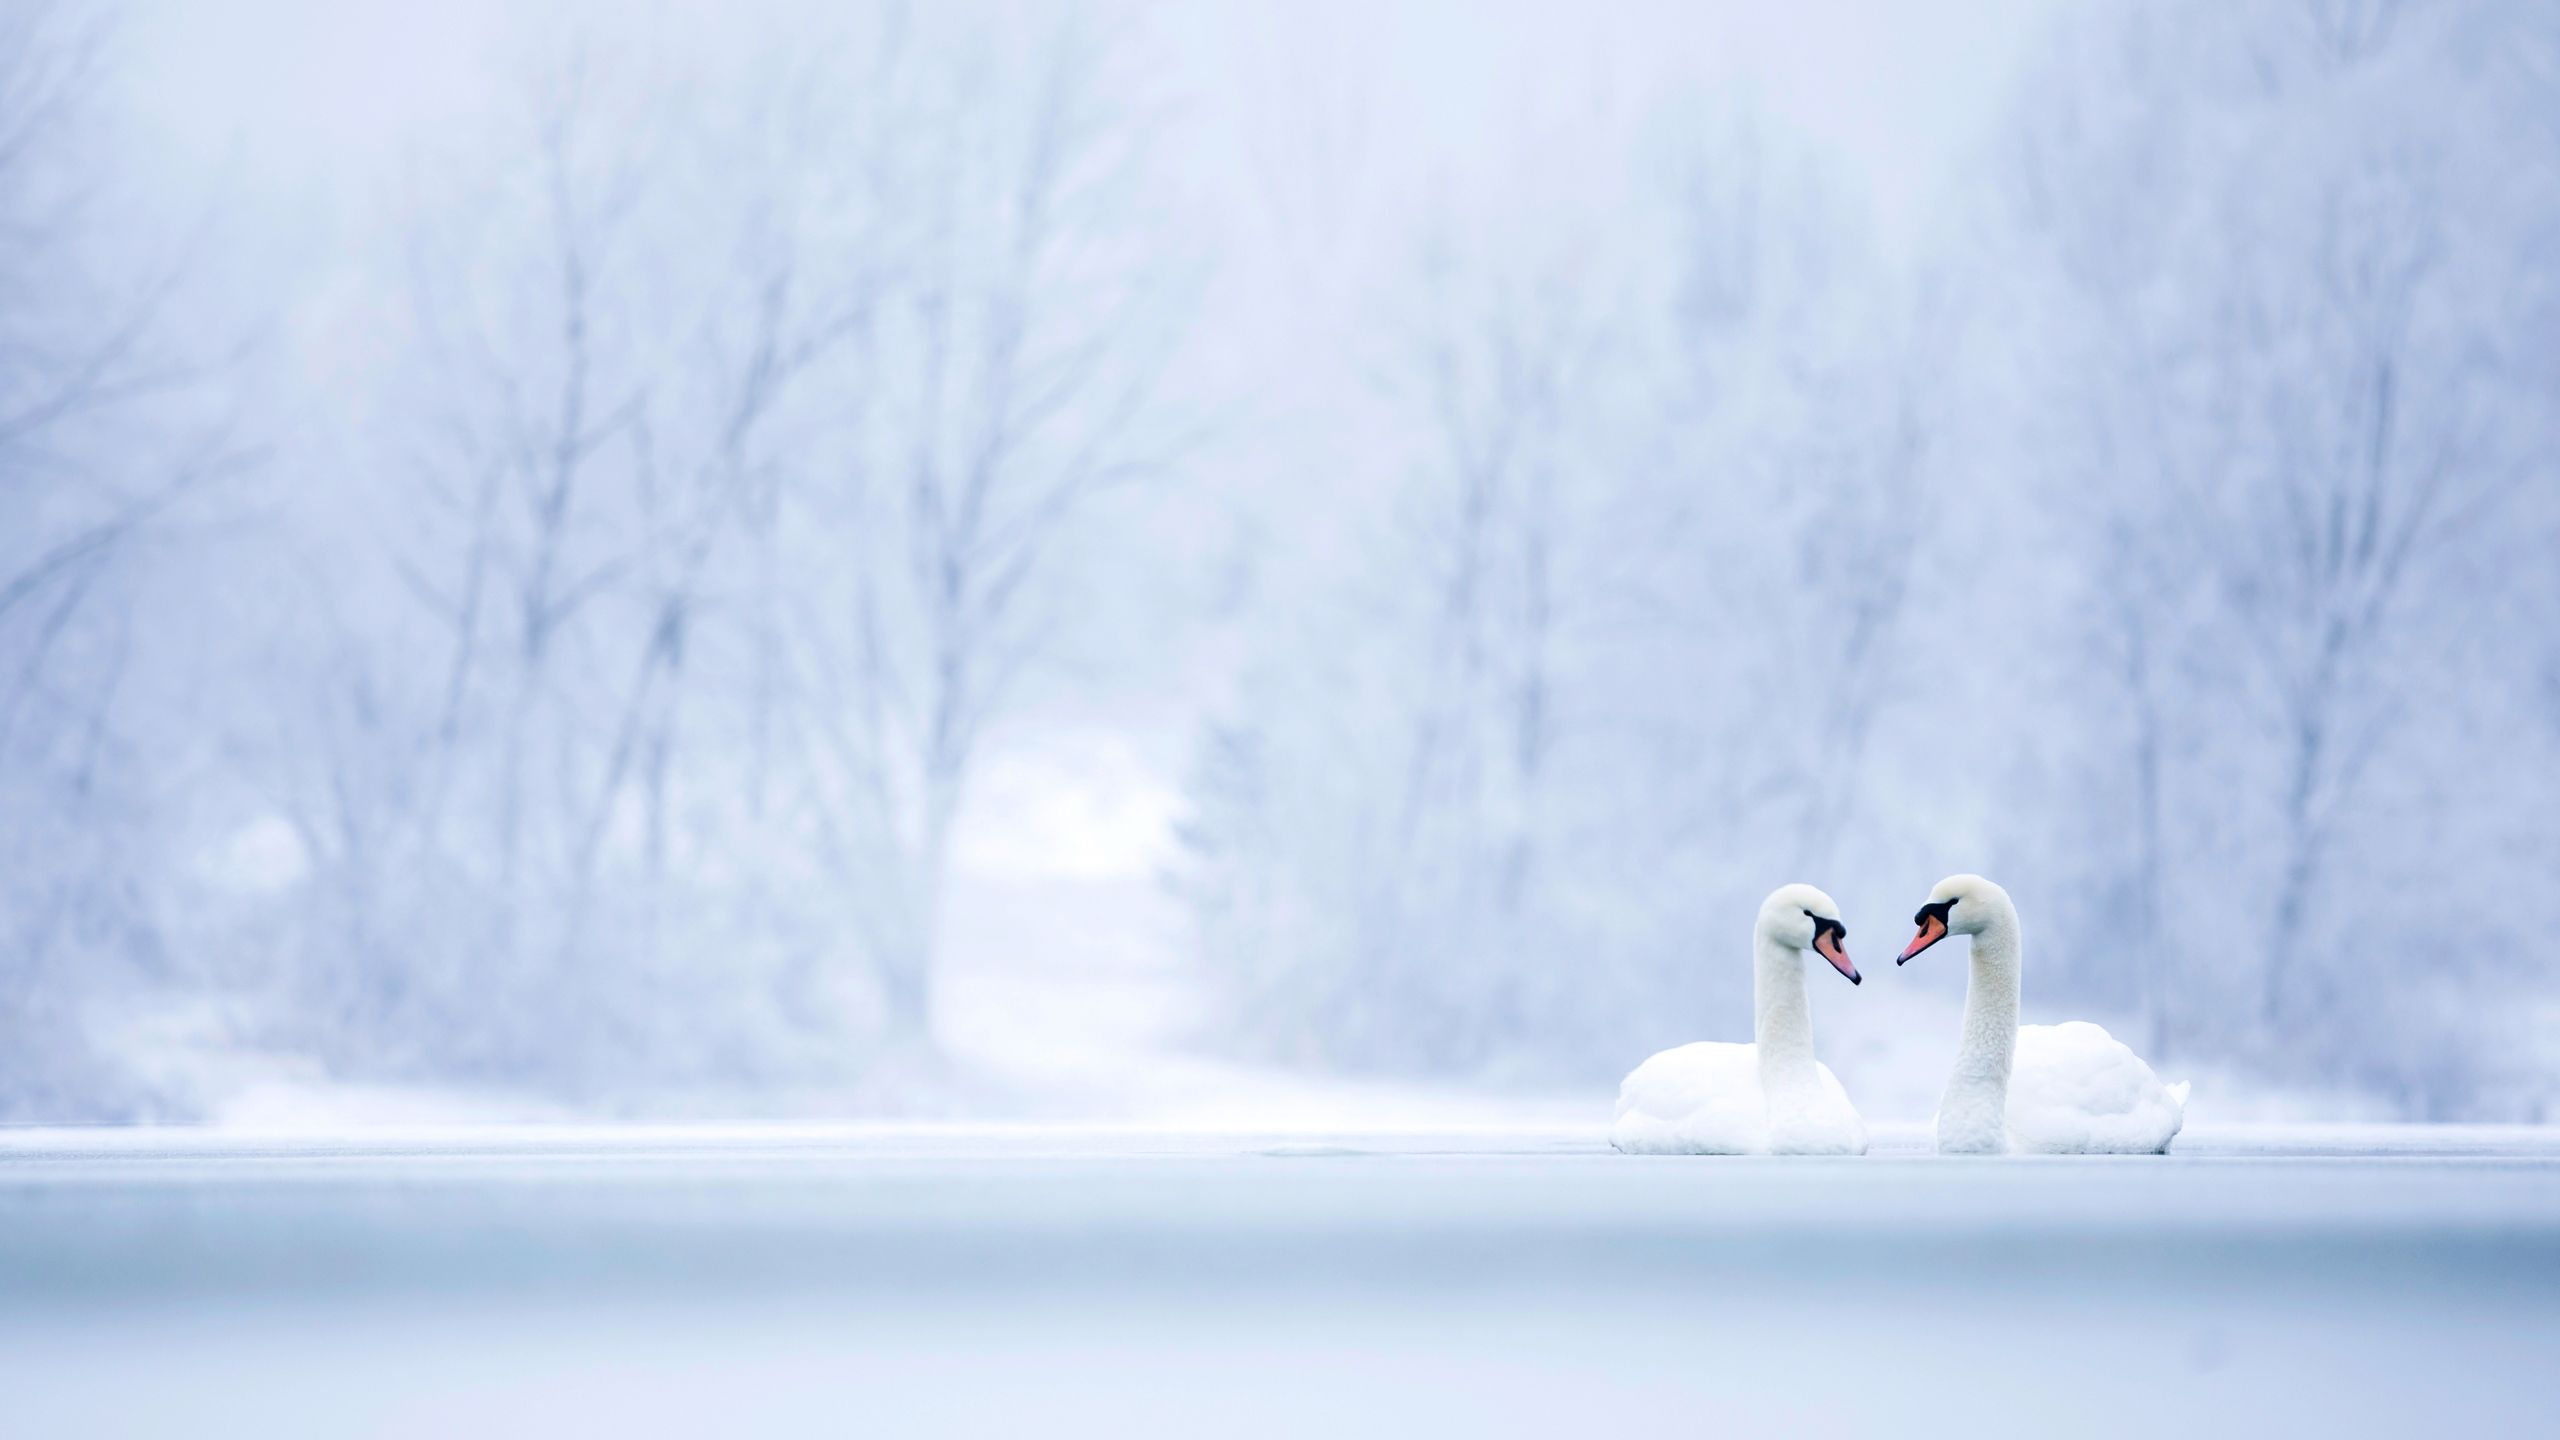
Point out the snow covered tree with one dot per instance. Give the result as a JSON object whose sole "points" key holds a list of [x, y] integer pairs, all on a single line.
{"points": [[2300, 408], [1627, 621], [98, 452], [722, 459], [1008, 379]]}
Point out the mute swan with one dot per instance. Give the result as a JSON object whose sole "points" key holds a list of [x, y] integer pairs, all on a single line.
{"points": [[1770, 1097], [2075, 1090]]}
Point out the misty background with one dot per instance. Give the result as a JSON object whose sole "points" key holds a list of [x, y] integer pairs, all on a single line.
{"points": [[1050, 559]]}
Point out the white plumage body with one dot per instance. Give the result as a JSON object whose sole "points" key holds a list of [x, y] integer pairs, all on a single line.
{"points": [[2078, 1090], [1706, 1099]]}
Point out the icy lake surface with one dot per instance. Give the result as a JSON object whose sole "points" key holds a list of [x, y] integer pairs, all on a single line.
{"points": [[901, 1280]]}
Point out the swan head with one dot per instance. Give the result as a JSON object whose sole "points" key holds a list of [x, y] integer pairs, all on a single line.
{"points": [[1801, 917], [1957, 905]]}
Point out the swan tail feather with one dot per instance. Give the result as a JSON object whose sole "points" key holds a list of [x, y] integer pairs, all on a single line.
{"points": [[2178, 1094]]}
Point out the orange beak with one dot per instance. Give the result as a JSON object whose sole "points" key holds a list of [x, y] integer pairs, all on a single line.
{"points": [[1827, 941], [1932, 930]]}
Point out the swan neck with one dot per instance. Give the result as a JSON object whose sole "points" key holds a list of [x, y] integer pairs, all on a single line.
{"points": [[1973, 1115], [1781, 1015], [1991, 1006]]}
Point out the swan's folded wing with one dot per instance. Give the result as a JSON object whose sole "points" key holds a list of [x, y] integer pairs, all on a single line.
{"points": [[2078, 1090], [1691, 1100], [1853, 1126]]}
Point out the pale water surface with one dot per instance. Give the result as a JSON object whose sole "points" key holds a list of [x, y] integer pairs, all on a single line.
{"points": [[901, 1280]]}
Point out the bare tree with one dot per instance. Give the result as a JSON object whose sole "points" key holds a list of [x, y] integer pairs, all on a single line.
{"points": [[93, 464], [611, 331], [1650, 546], [78, 347], [2296, 407], [1019, 342]]}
